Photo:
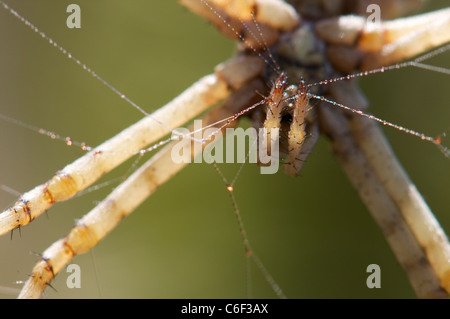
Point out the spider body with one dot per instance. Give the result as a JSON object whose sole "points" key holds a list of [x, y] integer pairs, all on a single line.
{"points": [[301, 56]]}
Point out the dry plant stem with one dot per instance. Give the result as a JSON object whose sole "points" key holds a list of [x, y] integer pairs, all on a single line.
{"points": [[379, 201], [83, 172], [403, 192], [96, 224]]}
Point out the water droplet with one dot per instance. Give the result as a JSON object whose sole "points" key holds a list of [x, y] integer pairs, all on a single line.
{"points": [[69, 141]]}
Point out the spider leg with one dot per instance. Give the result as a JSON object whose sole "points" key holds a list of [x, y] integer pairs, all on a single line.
{"points": [[96, 224], [297, 132], [330, 8], [236, 19], [356, 44], [406, 197], [274, 113], [389, 8], [414, 235], [86, 170]]}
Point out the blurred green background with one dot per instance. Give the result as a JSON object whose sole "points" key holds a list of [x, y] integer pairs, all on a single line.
{"points": [[311, 232]]}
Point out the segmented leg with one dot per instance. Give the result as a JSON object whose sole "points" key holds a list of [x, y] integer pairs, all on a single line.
{"points": [[423, 278], [274, 112], [371, 187], [355, 43], [297, 132], [96, 224], [235, 19], [86, 170]]}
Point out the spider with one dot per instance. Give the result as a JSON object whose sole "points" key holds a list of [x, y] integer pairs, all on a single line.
{"points": [[285, 198]]}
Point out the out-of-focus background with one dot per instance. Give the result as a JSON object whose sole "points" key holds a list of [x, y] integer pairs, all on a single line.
{"points": [[311, 232]]}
